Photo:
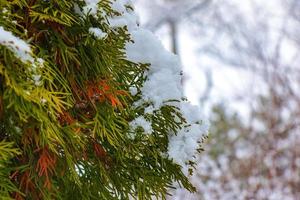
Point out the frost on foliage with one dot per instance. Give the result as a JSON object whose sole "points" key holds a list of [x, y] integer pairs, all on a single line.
{"points": [[20, 48], [163, 84]]}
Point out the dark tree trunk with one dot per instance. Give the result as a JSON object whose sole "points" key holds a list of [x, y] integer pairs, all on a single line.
{"points": [[174, 35]]}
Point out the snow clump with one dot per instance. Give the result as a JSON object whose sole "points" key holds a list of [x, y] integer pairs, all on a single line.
{"points": [[163, 82]]}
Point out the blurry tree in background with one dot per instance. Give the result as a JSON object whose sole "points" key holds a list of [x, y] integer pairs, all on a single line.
{"points": [[170, 13], [255, 156]]}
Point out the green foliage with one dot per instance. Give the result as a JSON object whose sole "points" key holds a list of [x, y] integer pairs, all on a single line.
{"points": [[7, 151], [68, 136]]}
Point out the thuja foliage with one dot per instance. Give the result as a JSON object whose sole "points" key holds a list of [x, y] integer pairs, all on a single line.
{"points": [[65, 113]]}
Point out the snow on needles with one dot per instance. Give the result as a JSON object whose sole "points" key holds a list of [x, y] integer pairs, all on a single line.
{"points": [[97, 32], [127, 18], [20, 48], [22, 51], [142, 122], [162, 85], [182, 147], [91, 7], [163, 82]]}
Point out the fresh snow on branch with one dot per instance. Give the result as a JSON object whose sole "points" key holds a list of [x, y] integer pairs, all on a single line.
{"points": [[97, 32], [162, 85], [141, 122], [91, 7], [127, 18], [20, 48], [163, 82]]}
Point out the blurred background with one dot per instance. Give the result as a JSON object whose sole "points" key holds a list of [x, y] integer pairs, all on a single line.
{"points": [[241, 64]]}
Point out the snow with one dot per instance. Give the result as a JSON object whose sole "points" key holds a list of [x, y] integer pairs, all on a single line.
{"points": [[183, 145], [133, 91], [163, 81], [91, 7], [141, 122], [164, 78], [97, 32], [163, 84], [20, 48], [120, 6], [149, 110], [128, 18], [253, 158], [153, 52], [191, 112], [37, 79]]}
